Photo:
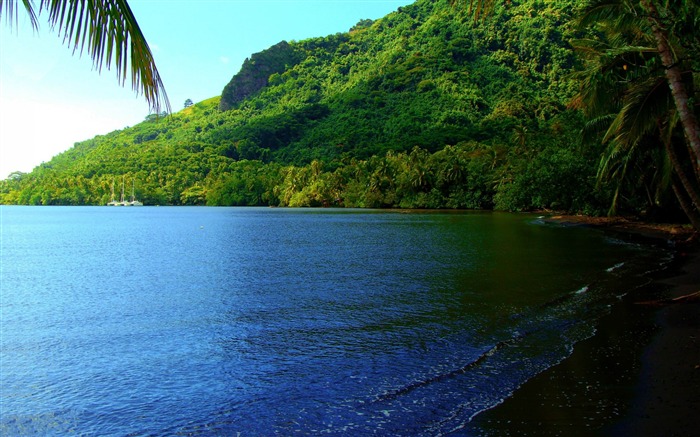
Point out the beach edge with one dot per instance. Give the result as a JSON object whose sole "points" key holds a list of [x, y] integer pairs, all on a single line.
{"points": [[648, 335]]}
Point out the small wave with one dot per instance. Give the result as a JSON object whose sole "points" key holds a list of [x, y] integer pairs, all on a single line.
{"points": [[615, 267], [391, 395], [539, 221], [556, 302], [582, 290]]}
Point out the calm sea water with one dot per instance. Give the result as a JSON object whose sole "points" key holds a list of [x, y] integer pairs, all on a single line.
{"points": [[227, 321]]}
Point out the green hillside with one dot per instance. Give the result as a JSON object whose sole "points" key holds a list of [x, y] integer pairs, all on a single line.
{"points": [[424, 108]]}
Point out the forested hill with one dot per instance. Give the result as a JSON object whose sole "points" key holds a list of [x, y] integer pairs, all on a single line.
{"points": [[426, 107]]}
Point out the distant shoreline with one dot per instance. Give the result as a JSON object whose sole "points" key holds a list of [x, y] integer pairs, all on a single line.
{"points": [[638, 231]]}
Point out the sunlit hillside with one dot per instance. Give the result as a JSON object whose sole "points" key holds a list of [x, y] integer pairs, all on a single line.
{"points": [[426, 107]]}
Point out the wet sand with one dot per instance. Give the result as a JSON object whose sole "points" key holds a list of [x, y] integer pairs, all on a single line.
{"points": [[639, 375], [667, 401]]}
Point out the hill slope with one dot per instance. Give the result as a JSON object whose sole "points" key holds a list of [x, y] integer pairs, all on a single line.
{"points": [[363, 118]]}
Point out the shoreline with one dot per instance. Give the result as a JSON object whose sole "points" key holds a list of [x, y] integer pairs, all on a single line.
{"points": [[671, 235], [639, 374], [667, 399]]}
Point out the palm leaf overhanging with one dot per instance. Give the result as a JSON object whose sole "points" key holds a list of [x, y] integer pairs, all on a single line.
{"points": [[109, 32], [632, 103]]}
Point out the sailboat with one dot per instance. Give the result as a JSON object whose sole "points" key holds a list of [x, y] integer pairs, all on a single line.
{"points": [[122, 201], [113, 202], [133, 201]]}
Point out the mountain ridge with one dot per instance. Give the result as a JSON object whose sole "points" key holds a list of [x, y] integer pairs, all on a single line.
{"points": [[423, 85]]}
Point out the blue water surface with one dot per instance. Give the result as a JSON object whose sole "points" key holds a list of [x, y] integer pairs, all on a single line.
{"points": [[219, 321]]}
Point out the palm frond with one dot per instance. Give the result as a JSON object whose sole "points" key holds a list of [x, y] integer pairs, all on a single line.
{"points": [[646, 104], [622, 13], [109, 32], [613, 167], [600, 89], [9, 8], [594, 129]]}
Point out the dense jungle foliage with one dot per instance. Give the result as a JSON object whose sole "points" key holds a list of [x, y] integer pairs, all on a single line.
{"points": [[424, 108]]}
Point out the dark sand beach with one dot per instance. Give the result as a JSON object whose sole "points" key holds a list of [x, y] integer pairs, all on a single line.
{"points": [[639, 375]]}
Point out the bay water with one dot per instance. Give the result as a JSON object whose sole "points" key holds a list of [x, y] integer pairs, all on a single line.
{"points": [[258, 321]]}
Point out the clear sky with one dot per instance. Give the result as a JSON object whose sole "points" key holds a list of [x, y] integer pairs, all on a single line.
{"points": [[51, 98]]}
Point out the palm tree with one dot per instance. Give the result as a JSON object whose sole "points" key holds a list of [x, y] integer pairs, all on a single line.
{"points": [[656, 23], [625, 93], [108, 30], [659, 39], [660, 20]]}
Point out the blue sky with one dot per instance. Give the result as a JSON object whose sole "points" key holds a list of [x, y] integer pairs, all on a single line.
{"points": [[51, 98]]}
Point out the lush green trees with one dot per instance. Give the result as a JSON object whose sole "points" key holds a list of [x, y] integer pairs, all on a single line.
{"points": [[637, 43], [256, 72], [640, 77], [425, 108]]}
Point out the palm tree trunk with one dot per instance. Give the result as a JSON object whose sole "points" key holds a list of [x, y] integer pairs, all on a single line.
{"points": [[687, 206], [691, 127]]}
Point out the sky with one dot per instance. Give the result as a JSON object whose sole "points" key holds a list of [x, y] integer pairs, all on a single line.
{"points": [[51, 98]]}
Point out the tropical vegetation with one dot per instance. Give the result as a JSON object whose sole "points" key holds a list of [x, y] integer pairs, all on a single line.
{"points": [[427, 107], [638, 90]]}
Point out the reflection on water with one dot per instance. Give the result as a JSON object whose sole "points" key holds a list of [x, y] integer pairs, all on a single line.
{"points": [[204, 321]]}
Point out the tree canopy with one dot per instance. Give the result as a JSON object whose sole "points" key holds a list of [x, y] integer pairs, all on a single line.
{"points": [[426, 107], [637, 89]]}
